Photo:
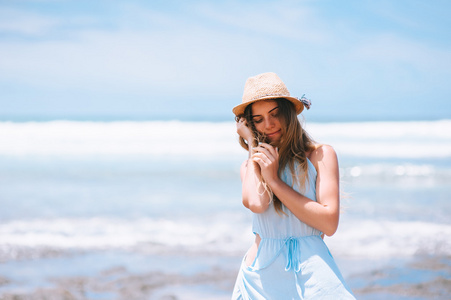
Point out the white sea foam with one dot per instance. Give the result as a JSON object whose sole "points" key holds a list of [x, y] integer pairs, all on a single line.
{"points": [[218, 234], [113, 233], [404, 173], [384, 239], [430, 139], [420, 139], [117, 138]]}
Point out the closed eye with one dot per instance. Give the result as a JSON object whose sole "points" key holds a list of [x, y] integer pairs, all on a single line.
{"points": [[274, 113], [257, 120]]}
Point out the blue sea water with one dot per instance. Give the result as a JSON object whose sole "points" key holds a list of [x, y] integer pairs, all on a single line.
{"points": [[95, 194]]}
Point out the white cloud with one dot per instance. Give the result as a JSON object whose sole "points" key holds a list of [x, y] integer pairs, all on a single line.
{"points": [[13, 21], [124, 60], [166, 49], [213, 49]]}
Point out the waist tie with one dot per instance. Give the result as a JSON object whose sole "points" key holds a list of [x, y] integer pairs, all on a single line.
{"points": [[293, 254], [292, 247]]}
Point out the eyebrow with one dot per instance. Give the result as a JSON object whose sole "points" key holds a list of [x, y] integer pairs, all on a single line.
{"points": [[268, 112]]}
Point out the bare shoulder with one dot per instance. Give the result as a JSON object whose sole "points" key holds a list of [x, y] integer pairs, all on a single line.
{"points": [[323, 155], [322, 151]]}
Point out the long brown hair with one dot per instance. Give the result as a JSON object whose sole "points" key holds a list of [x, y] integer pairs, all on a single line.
{"points": [[293, 145]]}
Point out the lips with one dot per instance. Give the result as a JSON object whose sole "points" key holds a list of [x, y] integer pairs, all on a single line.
{"points": [[272, 134]]}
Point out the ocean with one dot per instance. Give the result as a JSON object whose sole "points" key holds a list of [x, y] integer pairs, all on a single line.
{"points": [[152, 209]]}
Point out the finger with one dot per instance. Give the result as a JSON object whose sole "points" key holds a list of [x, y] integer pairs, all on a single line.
{"points": [[266, 146], [270, 148], [262, 157], [259, 161], [274, 151], [261, 149], [241, 124]]}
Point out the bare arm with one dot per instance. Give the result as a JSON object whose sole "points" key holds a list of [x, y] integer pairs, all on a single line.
{"points": [[323, 214], [254, 195]]}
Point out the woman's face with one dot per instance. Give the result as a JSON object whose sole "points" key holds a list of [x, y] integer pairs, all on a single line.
{"points": [[265, 115]]}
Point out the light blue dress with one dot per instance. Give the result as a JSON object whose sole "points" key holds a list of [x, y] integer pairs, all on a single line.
{"points": [[292, 261]]}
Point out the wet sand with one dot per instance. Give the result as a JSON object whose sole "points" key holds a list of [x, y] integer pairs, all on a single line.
{"points": [[421, 278], [120, 283]]}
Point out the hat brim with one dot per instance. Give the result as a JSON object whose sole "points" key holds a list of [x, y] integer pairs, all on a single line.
{"points": [[298, 105]]}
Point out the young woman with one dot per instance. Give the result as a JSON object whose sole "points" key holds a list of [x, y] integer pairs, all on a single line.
{"points": [[291, 184]]}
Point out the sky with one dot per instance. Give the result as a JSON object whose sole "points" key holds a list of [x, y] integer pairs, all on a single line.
{"points": [[189, 60]]}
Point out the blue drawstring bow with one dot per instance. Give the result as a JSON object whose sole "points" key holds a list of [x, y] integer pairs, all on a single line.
{"points": [[293, 255]]}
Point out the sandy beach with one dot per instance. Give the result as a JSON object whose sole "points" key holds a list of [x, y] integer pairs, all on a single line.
{"points": [[421, 278], [82, 219]]}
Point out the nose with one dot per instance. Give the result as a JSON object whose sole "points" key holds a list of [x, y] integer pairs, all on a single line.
{"points": [[269, 122]]}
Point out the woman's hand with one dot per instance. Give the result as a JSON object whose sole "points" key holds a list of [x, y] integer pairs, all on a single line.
{"points": [[244, 131], [267, 157]]}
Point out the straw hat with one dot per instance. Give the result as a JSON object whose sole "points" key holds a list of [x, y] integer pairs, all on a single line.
{"points": [[264, 87]]}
